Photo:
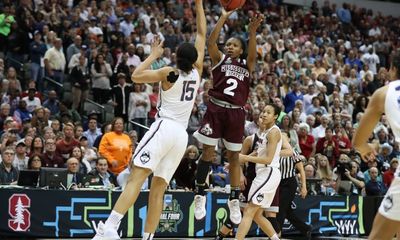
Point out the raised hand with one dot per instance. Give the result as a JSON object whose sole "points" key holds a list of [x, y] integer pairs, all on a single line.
{"points": [[225, 13], [157, 47], [255, 22]]}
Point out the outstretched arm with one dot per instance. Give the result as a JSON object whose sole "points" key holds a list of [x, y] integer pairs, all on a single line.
{"points": [[255, 22], [213, 51], [200, 42], [143, 74], [368, 122]]}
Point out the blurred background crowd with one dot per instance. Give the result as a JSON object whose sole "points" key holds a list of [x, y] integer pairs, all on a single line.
{"points": [[67, 99]]}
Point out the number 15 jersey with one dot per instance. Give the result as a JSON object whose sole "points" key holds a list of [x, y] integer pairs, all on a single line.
{"points": [[231, 81], [177, 102]]}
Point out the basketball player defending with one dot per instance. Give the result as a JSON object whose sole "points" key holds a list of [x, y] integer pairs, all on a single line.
{"points": [[268, 176], [225, 115], [162, 147], [385, 100]]}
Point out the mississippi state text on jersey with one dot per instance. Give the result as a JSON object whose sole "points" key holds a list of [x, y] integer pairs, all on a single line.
{"points": [[231, 81]]}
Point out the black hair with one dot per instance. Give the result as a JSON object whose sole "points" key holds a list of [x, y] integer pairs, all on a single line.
{"points": [[277, 110], [186, 56], [244, 46], [396, 61]]}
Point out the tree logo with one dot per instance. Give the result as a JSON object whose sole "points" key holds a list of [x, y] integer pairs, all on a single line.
{"points": [[18, 205]]}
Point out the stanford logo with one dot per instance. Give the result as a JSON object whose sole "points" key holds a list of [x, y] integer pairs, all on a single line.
{"points": [[18, 205]]}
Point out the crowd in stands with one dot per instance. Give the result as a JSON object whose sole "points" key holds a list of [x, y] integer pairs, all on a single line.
{"points": [[319, 64]]}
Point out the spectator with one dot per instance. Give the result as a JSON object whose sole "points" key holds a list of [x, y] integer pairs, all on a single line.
{"points": [[37, 146], [35, 162], [101, 72], [8, 173], [104, 176], [310, 171], [324, 171], [73, 170], [21, 160], [104, 129], [306, 141], [37, 51], [32, 102], [139, 107], [116, 147], [84, 165], [292, 97], [67, 143], [185, 173], [93, 132], [374, 187], [52, 103], [50, 157], [80, 81], [39, 120], [89, 153], [388, 176], [328, 146], [349, 181], [55, 62], [120, 97]]}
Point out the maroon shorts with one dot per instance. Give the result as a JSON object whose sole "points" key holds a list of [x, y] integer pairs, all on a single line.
{"points": [[225, 123]]}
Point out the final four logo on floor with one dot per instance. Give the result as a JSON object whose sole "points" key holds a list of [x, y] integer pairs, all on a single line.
{"points": [[171, 216]]}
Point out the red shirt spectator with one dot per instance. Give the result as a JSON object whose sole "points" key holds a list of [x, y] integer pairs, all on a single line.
{"points": [[389, 174]]}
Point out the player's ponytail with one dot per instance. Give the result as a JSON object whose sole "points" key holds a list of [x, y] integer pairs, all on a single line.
{"points": [[186, 56]]}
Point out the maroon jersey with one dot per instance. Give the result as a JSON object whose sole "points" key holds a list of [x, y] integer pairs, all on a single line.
{"points": [[231, 81]]}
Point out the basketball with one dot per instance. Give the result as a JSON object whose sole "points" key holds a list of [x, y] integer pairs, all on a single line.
{"points": [[232, 4]]}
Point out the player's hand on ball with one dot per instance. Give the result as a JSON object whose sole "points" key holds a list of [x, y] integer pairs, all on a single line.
{"points": [[157, 46], [255, 22]]}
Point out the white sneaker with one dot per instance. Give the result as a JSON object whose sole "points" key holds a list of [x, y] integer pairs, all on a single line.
{"points": [[103, 233], [234, 211], [199, 207]]}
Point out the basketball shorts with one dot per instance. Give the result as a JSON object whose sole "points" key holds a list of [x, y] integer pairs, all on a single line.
{"points": [[220, 122], [390, 206], [264, 186], [162, 148]]}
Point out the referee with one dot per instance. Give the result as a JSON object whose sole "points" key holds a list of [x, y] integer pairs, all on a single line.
{"points": [[287, 191]]}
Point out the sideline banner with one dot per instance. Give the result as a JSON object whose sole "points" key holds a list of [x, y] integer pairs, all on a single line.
{"points": [[55, 213]]}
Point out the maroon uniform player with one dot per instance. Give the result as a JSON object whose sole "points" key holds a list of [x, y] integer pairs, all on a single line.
{"points": [[225, 115]]}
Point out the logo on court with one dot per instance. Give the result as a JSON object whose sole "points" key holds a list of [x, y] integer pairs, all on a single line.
{"points": [[387, 203], [206, 130], [260, 197], [145, 157], [18, 205]]}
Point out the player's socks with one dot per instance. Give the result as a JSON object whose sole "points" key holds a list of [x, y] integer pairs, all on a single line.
{"points": [[203, 168], [274, 237], [114, 219], [235, 193], [148, 236]]}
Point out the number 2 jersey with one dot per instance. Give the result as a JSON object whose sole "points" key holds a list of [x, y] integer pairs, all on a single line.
{"points": [[177, 102], [231, 81], [392, 111]]}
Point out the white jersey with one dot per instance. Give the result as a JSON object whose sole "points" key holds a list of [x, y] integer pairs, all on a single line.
{"points": [[392, 111], [262, 149], [177, 102]]}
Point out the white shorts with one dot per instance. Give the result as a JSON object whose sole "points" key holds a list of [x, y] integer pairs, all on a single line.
{"points": [[162, 148], [390, 206], [262, 190]]}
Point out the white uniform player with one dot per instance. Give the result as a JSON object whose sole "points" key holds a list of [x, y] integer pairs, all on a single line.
{"points": [[390, 206], [267, 178], [385, 100], [163, 146], [169, 130]]}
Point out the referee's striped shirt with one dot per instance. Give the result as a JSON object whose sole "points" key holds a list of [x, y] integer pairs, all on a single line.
{"points": [[287, 165]]}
